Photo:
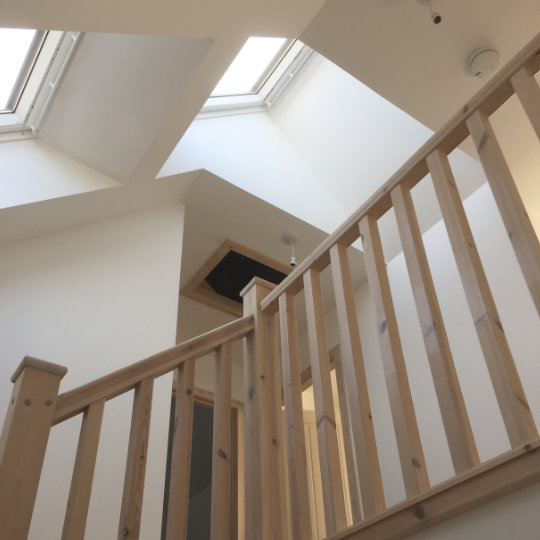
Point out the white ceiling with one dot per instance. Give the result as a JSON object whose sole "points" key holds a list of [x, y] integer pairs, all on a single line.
{"points": [[43, 217], [189, 18], [128, 99], [393, 47], [235, 214], [100, 117], [116, 95]]}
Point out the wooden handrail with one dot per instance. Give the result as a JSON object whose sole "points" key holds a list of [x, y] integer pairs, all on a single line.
{"points": [[75, 401], [450, 136]]}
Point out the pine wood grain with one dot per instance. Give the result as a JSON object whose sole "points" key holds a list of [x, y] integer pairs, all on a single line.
{"points": [[359, 407], [333, 493], [83, 473], [451, 403], [294, 427], [512, 401], [132, 499]]}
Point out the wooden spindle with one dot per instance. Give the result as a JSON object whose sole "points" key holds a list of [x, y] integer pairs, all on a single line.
{"points": [[502, 369], [177, 513], [333, 494], [528, 92], [83, 473], [335, 358], [241, 480], [410, 450], [296, 443], [277, 384], [363, 433], [221, 504], [264, 489], [132, 499], [451, 404], [514, 215], [24, 440]]}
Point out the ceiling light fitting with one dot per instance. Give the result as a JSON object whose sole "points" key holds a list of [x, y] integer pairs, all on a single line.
{"points": [[290, 240]]}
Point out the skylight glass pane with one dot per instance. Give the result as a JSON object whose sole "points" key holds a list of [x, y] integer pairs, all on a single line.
{"points": [[255, 59], [14, 47]]}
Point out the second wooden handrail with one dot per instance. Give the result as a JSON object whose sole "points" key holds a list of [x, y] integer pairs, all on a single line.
{"points": [[498, 90], [75, 401]]}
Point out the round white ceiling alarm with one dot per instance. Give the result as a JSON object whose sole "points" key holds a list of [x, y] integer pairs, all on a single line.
{"points": [[483, 62]]}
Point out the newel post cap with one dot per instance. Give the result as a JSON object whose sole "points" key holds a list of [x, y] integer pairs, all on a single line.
{"points": [[257, 281], [42, 365]]}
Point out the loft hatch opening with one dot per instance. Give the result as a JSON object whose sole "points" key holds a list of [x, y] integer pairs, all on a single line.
{"points": [[222, 277]]}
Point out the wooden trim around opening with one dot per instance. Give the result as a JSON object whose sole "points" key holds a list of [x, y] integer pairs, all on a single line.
{"points": [[197, 289]]}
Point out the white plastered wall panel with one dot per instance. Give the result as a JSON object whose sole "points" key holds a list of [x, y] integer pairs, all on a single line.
{"points": [[95, 298]]}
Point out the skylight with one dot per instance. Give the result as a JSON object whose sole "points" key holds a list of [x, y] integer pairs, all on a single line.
{"points": [[18, 48], [252, 65], [32, 63], [261, 72]]}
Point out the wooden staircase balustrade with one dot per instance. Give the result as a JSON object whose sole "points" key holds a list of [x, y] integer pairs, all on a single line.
{"points": [[265, 491], [333, 494], [130, 513], [36, 406], [296, 444], [221, 511], [510, 395], [361, 461], [23, 442], [453, 411], [364, 451], [83, 472], [177, 514], [411, 454], [276, 473]]}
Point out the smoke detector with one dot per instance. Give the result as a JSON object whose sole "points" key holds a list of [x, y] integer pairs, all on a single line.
{"points": [[483, 62]]}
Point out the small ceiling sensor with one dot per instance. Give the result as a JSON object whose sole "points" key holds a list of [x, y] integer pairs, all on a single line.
{"points": [[436, 18], [290, 240], [483, 62]]}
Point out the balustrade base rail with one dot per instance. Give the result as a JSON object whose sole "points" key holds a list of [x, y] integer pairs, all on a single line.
{"points": [[499, 476]]}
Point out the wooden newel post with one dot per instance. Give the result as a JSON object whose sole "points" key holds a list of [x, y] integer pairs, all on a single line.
{"points": [[264, 482], [24, 440]]}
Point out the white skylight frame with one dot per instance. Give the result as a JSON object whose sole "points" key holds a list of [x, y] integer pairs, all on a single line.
{"points": [[272, 85], [40, 85]]}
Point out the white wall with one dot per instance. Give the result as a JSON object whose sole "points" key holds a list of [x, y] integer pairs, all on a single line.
{"points": [[33, 171], [249, 151], [95, 298], [356, 140], [519, 319], [195, 318], [351, 136], [513, 516]]}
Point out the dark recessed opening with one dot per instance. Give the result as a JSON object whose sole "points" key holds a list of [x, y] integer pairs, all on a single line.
{"points": [[235, 271]]}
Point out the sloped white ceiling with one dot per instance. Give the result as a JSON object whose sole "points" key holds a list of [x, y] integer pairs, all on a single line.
{"points": [[217, 210], [190, 18], [116, 95], [48, 216], [128, 99], [393, 47]]}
